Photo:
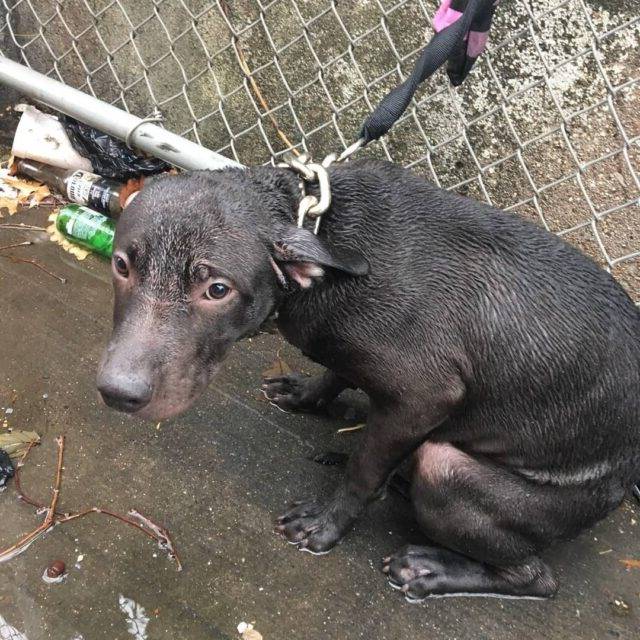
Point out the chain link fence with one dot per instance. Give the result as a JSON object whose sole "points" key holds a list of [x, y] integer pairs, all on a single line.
{"points": [[548, 123]]}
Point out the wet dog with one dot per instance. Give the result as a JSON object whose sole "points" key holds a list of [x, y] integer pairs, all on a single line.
{"points": [[500, 360]]}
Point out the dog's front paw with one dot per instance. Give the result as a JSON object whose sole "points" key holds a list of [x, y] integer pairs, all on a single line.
{"points": [[292, 392], [313, 527]]}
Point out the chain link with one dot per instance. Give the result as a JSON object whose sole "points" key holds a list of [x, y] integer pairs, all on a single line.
{"points": [[312, 172]]}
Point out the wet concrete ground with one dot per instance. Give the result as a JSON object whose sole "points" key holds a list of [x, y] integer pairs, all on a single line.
{"points": [[216, 478]]}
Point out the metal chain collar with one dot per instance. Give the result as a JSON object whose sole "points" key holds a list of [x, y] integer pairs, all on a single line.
{"points": [[312, 172]]}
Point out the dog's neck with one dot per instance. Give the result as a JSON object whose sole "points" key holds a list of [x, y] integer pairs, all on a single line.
{"points": [[282, 193]]}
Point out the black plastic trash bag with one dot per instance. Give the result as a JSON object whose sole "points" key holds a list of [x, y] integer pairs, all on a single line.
{"points": [[110, 158], [6, 468]]}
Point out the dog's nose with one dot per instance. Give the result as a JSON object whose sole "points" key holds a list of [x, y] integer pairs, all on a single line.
{"points": [[125, 392]]}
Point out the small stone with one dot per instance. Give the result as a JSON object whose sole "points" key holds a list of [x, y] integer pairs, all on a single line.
{"points": [[244, 626], [56, 568], [55, 572], [620, 607]]}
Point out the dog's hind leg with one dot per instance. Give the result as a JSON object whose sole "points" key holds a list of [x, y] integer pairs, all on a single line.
{"points": [[493, 523], [297, 392]]}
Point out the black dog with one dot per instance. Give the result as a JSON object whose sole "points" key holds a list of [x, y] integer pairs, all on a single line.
{"points": [[501, 359]]}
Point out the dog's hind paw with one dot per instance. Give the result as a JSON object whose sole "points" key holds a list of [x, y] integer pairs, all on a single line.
{"points": [[427, 572]]}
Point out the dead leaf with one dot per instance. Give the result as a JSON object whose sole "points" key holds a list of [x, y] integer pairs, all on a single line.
{"points": [[7, 163], [278, 368], [21, 184], [631, 564], [24, 186], [20, 191], [16, 443], [39, 195], [8, 203], [251, 634], [57, 237]]}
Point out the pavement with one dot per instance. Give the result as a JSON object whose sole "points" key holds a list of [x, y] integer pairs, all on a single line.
{"points": [[216, 478]]}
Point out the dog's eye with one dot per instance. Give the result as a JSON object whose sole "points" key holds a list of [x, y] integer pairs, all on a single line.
{"points": [[120, 265], [217, 291]]}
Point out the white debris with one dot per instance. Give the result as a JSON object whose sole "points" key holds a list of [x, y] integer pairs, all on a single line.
{"points": [[247, 632], [137, 619], [7, 632], [42, 137]]}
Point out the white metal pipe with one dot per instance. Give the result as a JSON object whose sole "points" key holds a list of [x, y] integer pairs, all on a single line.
{"points": [[120, 124]]}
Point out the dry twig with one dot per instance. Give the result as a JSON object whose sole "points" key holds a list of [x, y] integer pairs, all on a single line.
{"points": [[16, 244], [356, 427], [242, 61], [22, 227], [54, 517], [28, 539], [35, 263]]}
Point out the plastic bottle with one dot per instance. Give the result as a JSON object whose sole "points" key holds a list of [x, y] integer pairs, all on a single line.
{"points": [[100, 194], [88, 228]]}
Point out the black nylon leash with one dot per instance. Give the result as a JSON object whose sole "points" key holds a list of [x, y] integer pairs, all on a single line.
{"points": [[446, 45], [462, 28]]}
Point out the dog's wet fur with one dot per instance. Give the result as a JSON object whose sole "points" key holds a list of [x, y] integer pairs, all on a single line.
{"points": [[499, 359]]}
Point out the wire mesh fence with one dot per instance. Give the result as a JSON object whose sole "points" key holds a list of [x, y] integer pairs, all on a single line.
{"points": [[548, 124]]}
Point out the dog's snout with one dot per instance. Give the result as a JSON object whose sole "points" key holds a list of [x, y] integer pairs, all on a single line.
{"points": [[125, 392]]}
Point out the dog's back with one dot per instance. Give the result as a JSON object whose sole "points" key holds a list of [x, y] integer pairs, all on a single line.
{"points": [[548, 344]]}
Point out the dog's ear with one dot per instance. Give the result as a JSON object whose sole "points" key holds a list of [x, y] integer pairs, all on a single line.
{"points": [[301, 256]]}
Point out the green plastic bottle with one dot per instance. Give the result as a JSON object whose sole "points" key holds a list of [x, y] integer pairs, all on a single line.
{"points": [[88, 228]]}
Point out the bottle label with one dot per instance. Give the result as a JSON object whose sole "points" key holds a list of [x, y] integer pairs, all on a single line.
{"points": [[79, 186], [99, 195], [84, 225]]}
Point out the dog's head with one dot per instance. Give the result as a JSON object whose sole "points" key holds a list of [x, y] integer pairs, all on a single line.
{"points": [[200, 260]]}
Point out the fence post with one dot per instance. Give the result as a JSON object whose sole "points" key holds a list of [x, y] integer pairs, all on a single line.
{"points": [[120, 124]]}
